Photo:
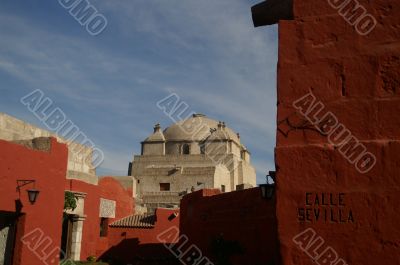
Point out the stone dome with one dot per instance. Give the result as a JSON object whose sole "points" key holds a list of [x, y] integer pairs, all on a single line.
{"points": [[196, 128]]}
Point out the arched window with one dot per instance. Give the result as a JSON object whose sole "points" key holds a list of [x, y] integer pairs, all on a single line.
{"points": [[185, 149]]}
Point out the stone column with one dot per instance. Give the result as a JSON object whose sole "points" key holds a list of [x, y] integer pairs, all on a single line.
{"points": [[3, 243], [78, 216], [76, 237]]}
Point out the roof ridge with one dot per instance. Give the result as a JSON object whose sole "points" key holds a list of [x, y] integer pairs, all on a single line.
{"points": [[146, 220]]}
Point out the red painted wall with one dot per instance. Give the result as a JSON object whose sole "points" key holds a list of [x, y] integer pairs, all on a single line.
{"points": [[129, 244], [91, 228], [108, 188], [241, 216], [356, 78], [111, 189], [38, 225], [38, 222]]}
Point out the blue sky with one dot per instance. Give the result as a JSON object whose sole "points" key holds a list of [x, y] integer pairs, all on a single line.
{"points": [[205, 51]]}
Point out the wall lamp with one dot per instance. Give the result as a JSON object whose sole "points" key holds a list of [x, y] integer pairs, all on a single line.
{"points": [[32, 193], [268, 189]]}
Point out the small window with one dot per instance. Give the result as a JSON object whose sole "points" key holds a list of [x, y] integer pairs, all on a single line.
{"points": [[186, 149], [165, 187], [202, 149], [138, 181], [223, 188], [103, 227]]}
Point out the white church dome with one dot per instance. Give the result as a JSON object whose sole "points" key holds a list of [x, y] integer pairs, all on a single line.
{"points": [[196, 128]]}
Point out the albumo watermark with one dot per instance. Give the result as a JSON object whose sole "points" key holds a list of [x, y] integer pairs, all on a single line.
{"points": [[56, 121], [185, 253], [211, 141], [314, 246], [355, 14], [338, 135], [45, 249], [86, 15]]}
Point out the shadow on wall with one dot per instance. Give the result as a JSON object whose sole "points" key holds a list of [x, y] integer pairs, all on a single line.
{"points": [[228, 252], [234, 228], [130, 251]]}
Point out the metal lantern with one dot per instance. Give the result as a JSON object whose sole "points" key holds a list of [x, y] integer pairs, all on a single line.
{"points": [[32, 195]]}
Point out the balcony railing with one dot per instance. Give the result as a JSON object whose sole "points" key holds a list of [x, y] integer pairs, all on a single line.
{"points": [[160, 193], [160, 197]]}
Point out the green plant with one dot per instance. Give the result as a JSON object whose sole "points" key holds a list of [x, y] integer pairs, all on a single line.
{"points": [[70, 201], [91, 258]]}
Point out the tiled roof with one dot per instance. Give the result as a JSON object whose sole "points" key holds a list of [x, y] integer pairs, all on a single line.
{"points": [[136, 221]]}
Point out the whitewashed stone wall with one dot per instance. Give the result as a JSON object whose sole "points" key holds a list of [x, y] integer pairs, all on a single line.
{"points": [[79, 166]]}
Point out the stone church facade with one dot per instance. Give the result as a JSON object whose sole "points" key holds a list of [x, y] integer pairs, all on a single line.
{"points": [[192, 154]]}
